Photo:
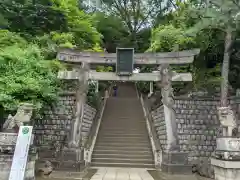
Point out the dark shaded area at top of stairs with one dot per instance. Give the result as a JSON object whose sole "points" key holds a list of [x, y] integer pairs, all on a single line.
{"points": [[123, 138]]}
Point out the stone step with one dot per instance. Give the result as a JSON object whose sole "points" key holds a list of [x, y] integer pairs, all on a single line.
{"points": [[130, 165], [123, 156], [127, 138], [123, 160], [122, 152], [122, 144], [133, 129], [122, 140], [135, 148], [131, 141], [126, 126], [122, 129], [116, 133], [123, 132], [124, 135], [113, 119]]}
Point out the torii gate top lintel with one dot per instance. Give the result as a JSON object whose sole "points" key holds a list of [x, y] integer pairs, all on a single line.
{"points": [[163, 59], [75, 56]]}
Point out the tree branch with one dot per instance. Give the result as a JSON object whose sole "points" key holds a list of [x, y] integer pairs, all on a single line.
{"points": [[125, 16]]}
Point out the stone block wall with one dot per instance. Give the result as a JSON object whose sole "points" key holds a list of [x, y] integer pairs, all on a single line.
{"points": [[198, 125], [55, 123]]}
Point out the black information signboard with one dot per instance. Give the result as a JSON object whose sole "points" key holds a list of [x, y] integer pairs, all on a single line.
{"points": [[125, 61]]}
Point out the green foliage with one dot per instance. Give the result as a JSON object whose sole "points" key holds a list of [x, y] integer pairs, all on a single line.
{"points": [[27, 77], [49, 43], [215, 14], [8, 38], [168, 38], [80, 24], [36, 29], [186, 30], [113, 30], [32, 17], [104, 69], [207, 79], [93, 97]]}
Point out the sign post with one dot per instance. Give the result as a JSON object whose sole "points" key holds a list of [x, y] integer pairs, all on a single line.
{"points": [[20, 156], [125, 61]]}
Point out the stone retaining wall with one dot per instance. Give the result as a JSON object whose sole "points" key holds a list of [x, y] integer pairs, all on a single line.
{"points": [[197, 124], [55, 123]]}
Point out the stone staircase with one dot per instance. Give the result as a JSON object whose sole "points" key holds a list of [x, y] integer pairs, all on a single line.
{"points": [[123, 138]]}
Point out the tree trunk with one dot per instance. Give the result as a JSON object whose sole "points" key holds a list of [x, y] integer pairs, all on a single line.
{"points": [[225, 68]]}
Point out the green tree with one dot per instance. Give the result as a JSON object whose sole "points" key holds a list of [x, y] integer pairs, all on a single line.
{"points": [[80, 24], [173, 36], [222, 15], [113, 30], [32, 17], [27, 77], [135, 14]]}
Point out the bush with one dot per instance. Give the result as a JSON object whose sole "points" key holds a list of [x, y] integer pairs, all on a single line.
{"points": [[27, 77]]}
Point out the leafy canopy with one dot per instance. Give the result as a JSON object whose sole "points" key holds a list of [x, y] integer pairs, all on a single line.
{"points": [[26, 77]]}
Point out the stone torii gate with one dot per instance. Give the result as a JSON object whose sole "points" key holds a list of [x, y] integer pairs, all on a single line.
{"points": [[82, 73]]}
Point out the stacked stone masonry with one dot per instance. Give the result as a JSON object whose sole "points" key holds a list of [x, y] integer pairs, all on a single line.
{"points": [[56, 124], [197, 123]]}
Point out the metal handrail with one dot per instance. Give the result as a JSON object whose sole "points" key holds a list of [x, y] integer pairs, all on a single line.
{"points": [[156, 146], [90, 143], [93, 127], [96, 118]]}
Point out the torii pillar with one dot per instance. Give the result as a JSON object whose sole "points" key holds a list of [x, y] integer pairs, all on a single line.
{"points": [[174, 161], [72, 154]]}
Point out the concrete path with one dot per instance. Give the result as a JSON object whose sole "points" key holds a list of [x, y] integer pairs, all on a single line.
{"points": [[121, 174]]}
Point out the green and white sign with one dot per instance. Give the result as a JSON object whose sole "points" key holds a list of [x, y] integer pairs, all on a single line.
{"points": [[25, 130], [21, 153]]}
